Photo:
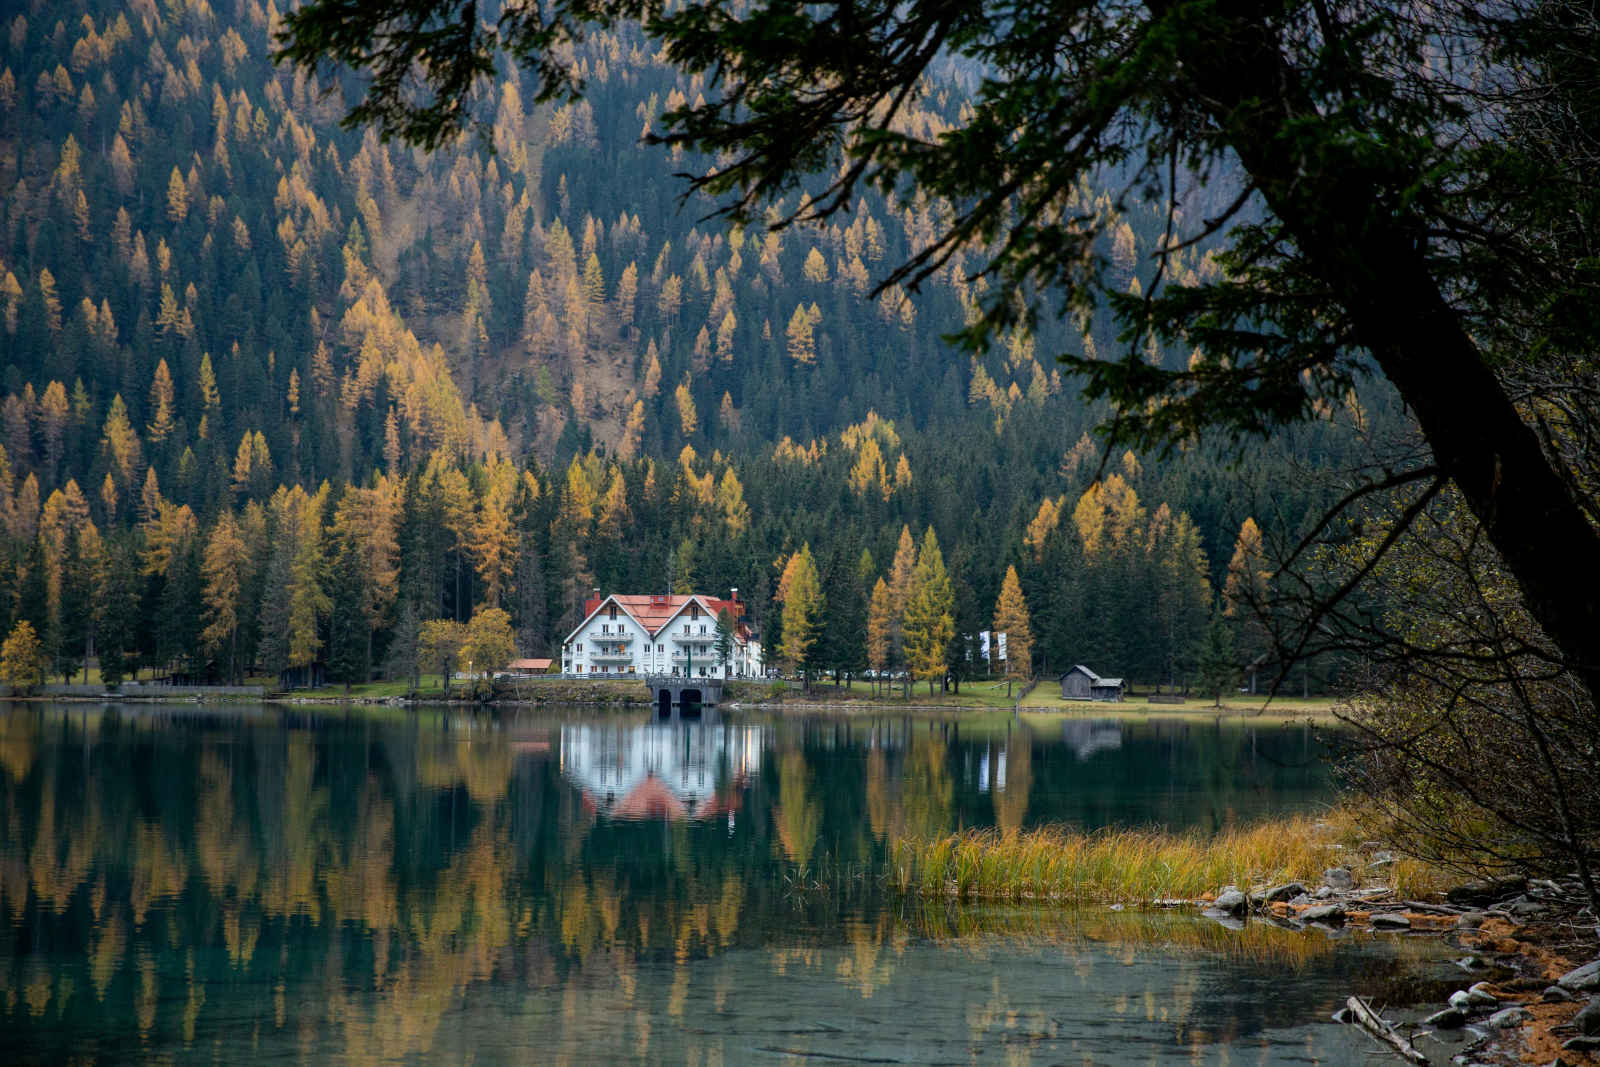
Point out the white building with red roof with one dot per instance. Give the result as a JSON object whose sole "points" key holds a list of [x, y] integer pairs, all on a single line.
{"points": [[665, 634]]}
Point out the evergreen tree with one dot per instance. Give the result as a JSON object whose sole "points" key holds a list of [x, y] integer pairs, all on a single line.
{"points": [[724, 643], [1219, 665]]}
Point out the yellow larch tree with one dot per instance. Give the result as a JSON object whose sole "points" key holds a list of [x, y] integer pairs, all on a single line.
{"points": [[223, 571], [367, 520], [731, 503], [688, 417], [803, 605], [1043, 525], [880, 628], [494, 534], [122, 442], [802, 342], [1011, 619], [930, 613], [161, 397]]}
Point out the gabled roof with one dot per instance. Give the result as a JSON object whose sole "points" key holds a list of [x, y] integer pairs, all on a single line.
{"points": [[1094, 679], [654, 611]]}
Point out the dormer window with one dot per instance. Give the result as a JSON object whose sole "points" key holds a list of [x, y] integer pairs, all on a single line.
{"points": [[611, 612]]}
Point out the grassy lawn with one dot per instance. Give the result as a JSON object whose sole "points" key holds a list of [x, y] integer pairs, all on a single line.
{"points": [[432, 685]]}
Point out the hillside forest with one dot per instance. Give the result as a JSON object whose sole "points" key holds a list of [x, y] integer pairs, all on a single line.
{"points": [[276, 393]]}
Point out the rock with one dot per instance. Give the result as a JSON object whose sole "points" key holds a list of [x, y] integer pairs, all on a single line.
{"points": [[1461, 1000], [1116, 907], [1582, 1044], [1485, 892], [1323, 892], [1556, 995], [1470, 920], [1282, 892], [1481, 997], [1390, 920], [1231, 902], [1585, 979], [1344, 1015], [1448, 1019], [1381, 859], [1325, 913], [1222, 918], [1588, 1018], [1338, 878], [1506, 1018], [1522, 907]]}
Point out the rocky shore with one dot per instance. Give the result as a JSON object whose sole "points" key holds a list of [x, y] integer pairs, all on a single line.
{"points": [[1530, 988]]}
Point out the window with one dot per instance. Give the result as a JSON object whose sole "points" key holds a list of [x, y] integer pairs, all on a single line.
{"points": [[661, 648], [578, 647], [702, 627], [604, 628], [612, 612]]}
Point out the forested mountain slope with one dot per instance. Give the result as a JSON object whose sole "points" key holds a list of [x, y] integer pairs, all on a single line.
{"points": [[394, 387]]}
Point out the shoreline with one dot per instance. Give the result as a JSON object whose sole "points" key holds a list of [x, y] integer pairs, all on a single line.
{"points": [[1530, 967]]}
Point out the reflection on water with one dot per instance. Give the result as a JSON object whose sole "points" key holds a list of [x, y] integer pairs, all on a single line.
{"points": [[659, 770], [229, 885]]}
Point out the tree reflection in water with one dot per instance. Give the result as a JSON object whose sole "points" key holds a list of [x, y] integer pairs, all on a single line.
{"points": [[188, 884]]}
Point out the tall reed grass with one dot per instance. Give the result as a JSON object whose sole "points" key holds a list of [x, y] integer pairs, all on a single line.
{"points": [[1142, 866]]}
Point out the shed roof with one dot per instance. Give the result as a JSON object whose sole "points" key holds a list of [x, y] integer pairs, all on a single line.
{"points": [[1095, 681]]}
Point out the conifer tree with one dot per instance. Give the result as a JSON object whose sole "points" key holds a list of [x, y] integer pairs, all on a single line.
{"points": [[1011, 619], [803, 605], [880, 628], [688, 417], [1244, 597], [161, 397], [121, 442], [223, 571], [802, 344], [930, 613]]}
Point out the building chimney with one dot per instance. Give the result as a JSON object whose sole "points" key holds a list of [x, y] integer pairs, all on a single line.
{"points": [[733, 594]]}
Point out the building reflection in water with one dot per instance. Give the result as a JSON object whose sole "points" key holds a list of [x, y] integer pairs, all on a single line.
{"points": [[661, 770]]}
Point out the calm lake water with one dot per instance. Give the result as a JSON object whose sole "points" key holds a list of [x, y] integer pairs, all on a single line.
{"points": [[250, 884]]}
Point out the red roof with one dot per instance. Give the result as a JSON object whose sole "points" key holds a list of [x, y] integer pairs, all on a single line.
{"points": [[655, 610]]}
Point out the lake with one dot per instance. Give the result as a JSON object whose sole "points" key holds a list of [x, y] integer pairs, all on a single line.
{"points": [[182, 884]]}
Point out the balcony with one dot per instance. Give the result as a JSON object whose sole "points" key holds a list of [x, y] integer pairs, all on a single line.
{"points": [[695, 639], [612, 638], [620, 656]]}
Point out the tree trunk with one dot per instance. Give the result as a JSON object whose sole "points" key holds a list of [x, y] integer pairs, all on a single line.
{"points": [[1371, 258]]}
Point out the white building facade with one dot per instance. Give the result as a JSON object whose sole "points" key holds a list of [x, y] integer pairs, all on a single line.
{"points": [[674, 635]]}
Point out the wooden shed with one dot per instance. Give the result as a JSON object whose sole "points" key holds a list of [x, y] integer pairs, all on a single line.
{"points": [[1080, 683]]}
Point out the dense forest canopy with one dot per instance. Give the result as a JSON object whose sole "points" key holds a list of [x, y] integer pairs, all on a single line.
{"points": [[277, 393]]}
